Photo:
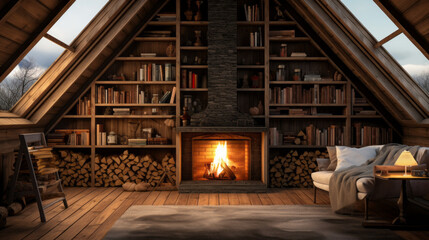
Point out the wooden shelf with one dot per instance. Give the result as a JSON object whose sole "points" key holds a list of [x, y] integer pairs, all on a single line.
{"points": [[136, 146], [308, 105], [282, 23], [135, 105], [77, 116], [289, 39], [306, 116], [162, 23], [135, 82], [135, 116], [155, 39], [72, 146], [249, 23], [251, 48], [296, 146], [251, 66], [194, 48], [361, 105], [146, 58], [299, 59], [250, 89], [194, 66], [194, 89], [194, 23], [366, 116], [309, 82]]}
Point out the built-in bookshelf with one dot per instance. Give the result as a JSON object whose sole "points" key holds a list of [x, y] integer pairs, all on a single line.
{"points": [[302, 97]]}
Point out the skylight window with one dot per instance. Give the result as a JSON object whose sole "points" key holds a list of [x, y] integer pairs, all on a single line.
{"points": [[400, 47], [44, 53]]}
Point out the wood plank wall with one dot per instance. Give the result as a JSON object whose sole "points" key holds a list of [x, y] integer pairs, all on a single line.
{"points": [[418, 135]]}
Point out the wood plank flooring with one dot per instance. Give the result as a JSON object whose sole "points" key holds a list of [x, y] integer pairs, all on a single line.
{"points": [[93, 211]]}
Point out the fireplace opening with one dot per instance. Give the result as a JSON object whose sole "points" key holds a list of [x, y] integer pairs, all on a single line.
{"points": [[221, 157]]}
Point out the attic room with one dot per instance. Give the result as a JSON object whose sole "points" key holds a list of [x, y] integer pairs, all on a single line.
{"points": [[204, 119]]}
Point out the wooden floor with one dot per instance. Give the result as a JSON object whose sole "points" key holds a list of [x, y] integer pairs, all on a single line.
{"points": [[93, 211]]}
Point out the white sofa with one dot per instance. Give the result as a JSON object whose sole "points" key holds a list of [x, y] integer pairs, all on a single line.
{"points": [[371, 188]]}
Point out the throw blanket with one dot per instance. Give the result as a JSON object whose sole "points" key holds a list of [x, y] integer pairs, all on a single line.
{"points": [[342, 185]]}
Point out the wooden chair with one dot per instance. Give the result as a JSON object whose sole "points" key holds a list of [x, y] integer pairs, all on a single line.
{"points": [[38, 141]]}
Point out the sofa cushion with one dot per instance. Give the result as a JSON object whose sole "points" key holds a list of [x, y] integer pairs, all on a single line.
{"points": [[365, 185], [348, 157], [322, 186], [321, 176], [332, 151]]}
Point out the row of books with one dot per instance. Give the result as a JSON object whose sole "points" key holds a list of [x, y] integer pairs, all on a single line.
{"points": [[156, 72], [357, 100], [256, 39], [192, 79], [137, 96], [83, 106], [369, 135], [72, 137], [253, 12], [315, 95], [101, 135], [333, 135]]}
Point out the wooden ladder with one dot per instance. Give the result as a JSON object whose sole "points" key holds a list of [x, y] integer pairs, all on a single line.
{"points": [[25, 141]]}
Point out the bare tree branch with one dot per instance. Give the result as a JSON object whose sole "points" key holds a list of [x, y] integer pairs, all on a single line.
{"points": [[12, 89]]}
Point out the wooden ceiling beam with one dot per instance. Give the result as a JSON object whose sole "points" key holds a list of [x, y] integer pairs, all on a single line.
{"points": [[406, 27], [388, 38], [7, 10], [59, 42], [43, 28]]}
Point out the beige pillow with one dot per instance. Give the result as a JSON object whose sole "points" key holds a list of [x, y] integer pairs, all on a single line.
{"points": [[332, 151]]}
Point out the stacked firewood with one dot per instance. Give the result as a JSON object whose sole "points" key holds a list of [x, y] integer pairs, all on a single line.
{"points": [[116, 170], [294, 169], [74, 168]]}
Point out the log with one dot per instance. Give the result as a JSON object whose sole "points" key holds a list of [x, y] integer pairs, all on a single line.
{"points": [[14, 208]]}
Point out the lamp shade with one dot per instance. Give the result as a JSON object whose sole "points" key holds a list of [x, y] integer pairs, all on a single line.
{"points": [[406, 159]]}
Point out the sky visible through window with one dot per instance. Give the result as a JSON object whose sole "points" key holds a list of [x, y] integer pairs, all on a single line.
{"points": [[44, 53], [400, 47]]}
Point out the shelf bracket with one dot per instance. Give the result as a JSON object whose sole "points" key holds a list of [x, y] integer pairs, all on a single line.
{"points": [[388, 38], [59, 42]]}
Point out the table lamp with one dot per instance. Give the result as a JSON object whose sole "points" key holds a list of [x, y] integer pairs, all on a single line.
{"points": [[405, 159]]}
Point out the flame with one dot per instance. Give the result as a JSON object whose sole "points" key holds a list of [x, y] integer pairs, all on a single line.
{"points": [[221, 155]]}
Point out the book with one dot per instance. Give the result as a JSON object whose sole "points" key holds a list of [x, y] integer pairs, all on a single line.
{"points": [[173, 95]]}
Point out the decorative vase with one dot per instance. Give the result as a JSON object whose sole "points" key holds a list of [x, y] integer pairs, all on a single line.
{"points": [[261, 108], [198, 16], [188, 12], [171, 50], [197, 38]]}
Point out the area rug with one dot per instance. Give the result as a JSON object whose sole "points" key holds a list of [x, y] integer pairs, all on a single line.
{"points": [[240, 222]]}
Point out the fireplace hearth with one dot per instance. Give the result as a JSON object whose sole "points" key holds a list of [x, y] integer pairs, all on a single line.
{"points": [[217, 161]]}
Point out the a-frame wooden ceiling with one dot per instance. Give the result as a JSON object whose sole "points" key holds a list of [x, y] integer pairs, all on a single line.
{"points": [[23, 23], [349, 44]]}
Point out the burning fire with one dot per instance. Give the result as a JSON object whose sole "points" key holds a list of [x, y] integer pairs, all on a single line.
{"points": [[220, 158]]}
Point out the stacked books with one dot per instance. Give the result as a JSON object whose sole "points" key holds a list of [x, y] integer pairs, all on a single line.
{"points": [[147, 54], [312, 77], [165, 17], [137, 142], [256, 39], [73, 137], [253, 12], [157, 72], [191, 79], [333, 135], [84, 106], [101, 135], [282, 33], [54, 139], [157, 33], [121, 111], [298, 54], [370, 135]]}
